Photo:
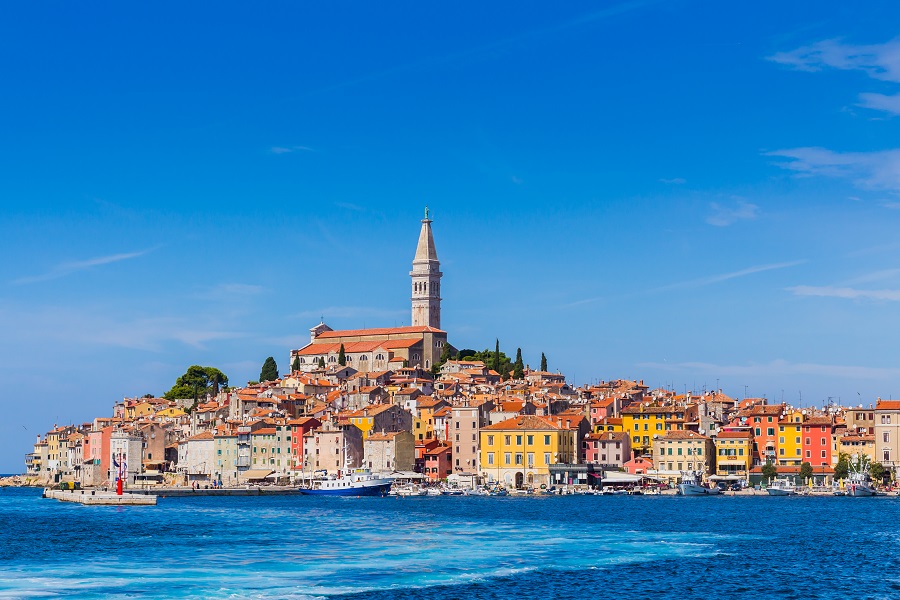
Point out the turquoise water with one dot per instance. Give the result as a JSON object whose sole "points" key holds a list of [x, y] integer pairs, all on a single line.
{"points": [[450, 547]]}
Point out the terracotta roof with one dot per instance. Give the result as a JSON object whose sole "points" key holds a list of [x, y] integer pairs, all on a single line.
{"points": [[676, 434], [201, 436], [887, 405], [524, 422], [379, 331], [734, 435]]}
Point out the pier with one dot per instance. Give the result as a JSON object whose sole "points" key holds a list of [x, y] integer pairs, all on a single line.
{"points": [[98, 498]]}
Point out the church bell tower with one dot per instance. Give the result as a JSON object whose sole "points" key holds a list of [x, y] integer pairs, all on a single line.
{"points": [[426, 280]]}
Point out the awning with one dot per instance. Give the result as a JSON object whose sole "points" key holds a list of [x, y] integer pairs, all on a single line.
{"points": [[619, 477], [257, 473]]}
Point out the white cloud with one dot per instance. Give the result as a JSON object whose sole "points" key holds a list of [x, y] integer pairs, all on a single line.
{"points": [[289, 149], [726, 276], [674, 181], [879, 61], [723, 216], [884, 102], [67, 268], [779, 367], [828, 291], [878, 170]]}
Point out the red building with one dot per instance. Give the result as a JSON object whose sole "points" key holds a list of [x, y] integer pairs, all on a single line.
{"points": [[817, 434], [763, 421], [439, 462], [299, 428]]}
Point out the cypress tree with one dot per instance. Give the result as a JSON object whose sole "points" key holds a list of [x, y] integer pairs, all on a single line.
{"points": [[269, 370], [543, 362], [495, 364], [445, 353], [342, 358], [295, 366], [321, 362], [518, 367]]}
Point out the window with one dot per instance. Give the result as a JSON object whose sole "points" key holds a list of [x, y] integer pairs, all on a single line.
{"points": [[518, 440], [757, 431], [823, 442], [531, 459], [546, 440], [781, 440], [823, 454], [887, 436], [771, 430], [490, 440], [506, 439], [546, 458], [887, 455], [518, 458], [530, 440], [507, 457], [490, 458]]}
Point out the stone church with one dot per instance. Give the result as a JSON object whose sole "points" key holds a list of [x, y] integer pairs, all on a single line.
{"points": [[388, 348]]}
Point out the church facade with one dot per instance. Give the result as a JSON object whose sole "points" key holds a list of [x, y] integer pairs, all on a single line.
{"points": [[389, 348]]}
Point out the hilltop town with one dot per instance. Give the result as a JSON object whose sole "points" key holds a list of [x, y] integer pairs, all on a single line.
{"points": [[396, 400]]}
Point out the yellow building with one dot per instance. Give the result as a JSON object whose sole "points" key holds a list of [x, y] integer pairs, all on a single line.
{"points": [[642, 422], [609, 424], [790, 446], [519, 451], [423, 420], [734, 454]]}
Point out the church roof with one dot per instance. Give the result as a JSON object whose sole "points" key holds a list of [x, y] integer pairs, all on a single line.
{"points": [[425, 250], [354, 347], [379, 331]]}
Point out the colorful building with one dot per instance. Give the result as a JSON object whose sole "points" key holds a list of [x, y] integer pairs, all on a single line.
{"points": [[519, 451]]}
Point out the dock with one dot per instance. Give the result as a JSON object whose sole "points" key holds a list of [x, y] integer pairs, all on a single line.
{"points": [[99, 498]]}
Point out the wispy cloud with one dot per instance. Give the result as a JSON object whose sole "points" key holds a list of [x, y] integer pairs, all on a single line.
{"points": [[90, 327], [289, 149], [878, 170], [828, 291], [778, 367], [350, 206], [879, 61], [68, 268], [884, 102], [674, 181], [722, 215], [727, 276], [702, 281]]}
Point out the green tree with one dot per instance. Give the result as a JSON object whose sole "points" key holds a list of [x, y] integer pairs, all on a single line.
{"points": [[518, 366], [806, 471], [495, 363], [543, 362], [445, 354], [321, 362], [269, 370], [876, 472], [295, 366], [769, 471], [842, 467], [342, 358], [466, 353], [197, 382]]}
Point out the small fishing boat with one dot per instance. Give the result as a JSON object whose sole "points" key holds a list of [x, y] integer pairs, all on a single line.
{"points": [[781, 487], [690, 485]]}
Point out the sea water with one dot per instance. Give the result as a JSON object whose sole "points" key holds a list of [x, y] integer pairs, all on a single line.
{"points": [[451, 547]]}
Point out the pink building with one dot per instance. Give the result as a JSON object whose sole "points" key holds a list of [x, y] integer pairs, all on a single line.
{"points": [[611, 448], [439, 462]]}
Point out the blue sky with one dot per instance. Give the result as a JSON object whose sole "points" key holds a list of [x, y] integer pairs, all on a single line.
{"points": [[681, 192]]}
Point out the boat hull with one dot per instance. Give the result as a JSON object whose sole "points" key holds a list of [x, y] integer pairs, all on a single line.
{"points": [[692, 489], [860, 491], [778, 492], [369, 490]]}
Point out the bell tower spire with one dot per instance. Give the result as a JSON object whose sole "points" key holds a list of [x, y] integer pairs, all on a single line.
{"points": [[426, 279]]}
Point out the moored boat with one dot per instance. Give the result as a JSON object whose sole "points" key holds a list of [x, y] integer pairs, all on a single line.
{"points": [[781, 487], [858, 484], [356, 482], [691, 486]]}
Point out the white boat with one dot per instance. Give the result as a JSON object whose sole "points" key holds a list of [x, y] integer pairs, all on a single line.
{"points": [[356, 482], [690, 485], [859, 484], [781, 487], [409, 489]]}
